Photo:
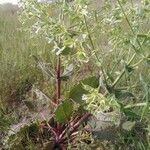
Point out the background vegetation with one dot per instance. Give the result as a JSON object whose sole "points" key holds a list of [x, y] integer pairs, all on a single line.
{"points": [[109, 39]]}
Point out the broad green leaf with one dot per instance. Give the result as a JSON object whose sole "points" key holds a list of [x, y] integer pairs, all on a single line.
{"points": [[76, 93], [78, 90], [131, 115], [64, 111], [128, 125], [91, 81]]}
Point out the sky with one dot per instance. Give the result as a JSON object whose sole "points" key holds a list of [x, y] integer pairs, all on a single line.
{"points": [[8, 1]]}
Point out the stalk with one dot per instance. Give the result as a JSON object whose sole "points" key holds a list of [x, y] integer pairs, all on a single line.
{"points": [[132, 30], [136, 105], [58, 80], [76, 125], [133, 57], [93, 48], [58, 85], [123, 71]]}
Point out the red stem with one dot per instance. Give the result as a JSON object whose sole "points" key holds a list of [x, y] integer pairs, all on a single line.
{"points": [[58, 80], [76, 125], [58, 85], [74, 121]]}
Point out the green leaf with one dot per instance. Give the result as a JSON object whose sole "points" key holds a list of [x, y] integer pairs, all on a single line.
{"points": [[76, 93], [129, 69], [66, 51], [142, 35], [148, 60], [64, 111], [68, 72], [78, 90], [81, 56], [123, 94], [91, 81], [128, 125], [130, 114]]}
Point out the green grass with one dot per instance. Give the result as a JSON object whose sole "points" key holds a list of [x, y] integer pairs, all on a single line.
{"points": [[17, 64]]}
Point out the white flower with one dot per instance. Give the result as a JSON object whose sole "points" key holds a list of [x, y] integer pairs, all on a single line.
{"points": [[84, 97]]}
